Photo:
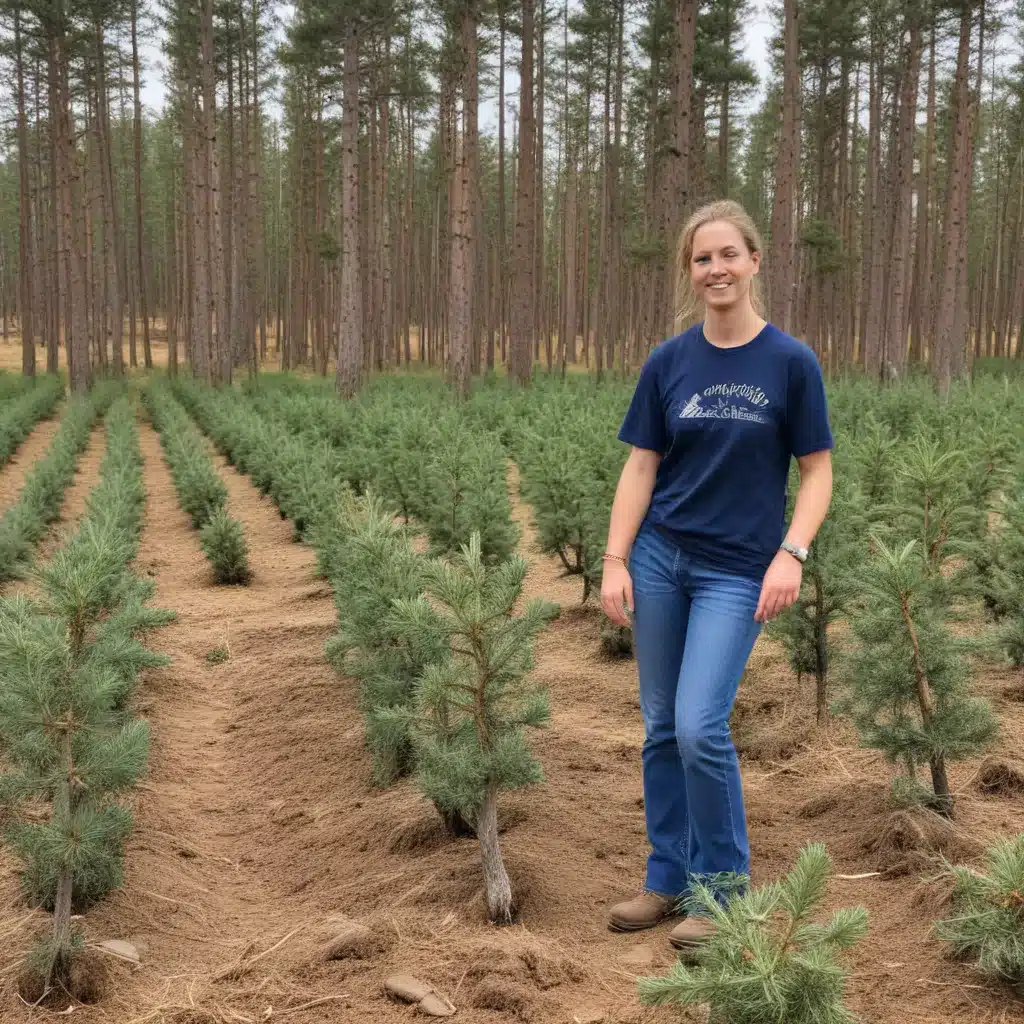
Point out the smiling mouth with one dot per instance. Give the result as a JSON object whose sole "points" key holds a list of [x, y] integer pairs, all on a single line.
{"points": [[718, 287]]}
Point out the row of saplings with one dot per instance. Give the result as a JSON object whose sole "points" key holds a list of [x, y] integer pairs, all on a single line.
{"points": [[445, 691], [71, 744]]}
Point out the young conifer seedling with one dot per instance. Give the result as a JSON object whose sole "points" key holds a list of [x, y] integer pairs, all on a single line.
{"points": [[987, 919], [767, 961], [909, 693], [474, 705]]}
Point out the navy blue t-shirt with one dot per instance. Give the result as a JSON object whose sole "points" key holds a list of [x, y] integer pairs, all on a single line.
{"points": [[727, 421]]}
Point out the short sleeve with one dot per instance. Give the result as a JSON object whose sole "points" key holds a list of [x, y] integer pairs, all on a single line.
{"points": [[644, 423], [807, 417]]}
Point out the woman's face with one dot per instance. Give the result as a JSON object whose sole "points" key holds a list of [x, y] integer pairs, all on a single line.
{"points": [[722, 266]]}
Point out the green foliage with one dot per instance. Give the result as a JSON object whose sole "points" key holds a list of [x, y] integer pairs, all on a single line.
{"points": [[986, 922], [825, 591], [909, 694], [374, 565], [414, 449], [223, 542], [473, 706], [24, 409], [466, 493], [569, 461], [69, 662], [24, 523], [998, 560], [201, 491], [768, 961]]}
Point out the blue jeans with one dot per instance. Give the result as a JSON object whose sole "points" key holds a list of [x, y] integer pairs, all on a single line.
{"points": [[693, 630]]}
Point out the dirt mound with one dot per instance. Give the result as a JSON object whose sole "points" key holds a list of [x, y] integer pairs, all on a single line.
{"points": [[911, 841], [1000, 777], [495, 992], [768, 744]]}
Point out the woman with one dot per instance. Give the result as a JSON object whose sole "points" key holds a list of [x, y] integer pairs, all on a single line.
{"points": [[698, 554]]}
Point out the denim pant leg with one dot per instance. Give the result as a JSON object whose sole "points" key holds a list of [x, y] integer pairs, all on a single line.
{"points": [[721, 632], [659, 634]]}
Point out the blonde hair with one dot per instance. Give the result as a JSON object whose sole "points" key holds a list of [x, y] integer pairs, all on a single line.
{"points": [[731, 212]]}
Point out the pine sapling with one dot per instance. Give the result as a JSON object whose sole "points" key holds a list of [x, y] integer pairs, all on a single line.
{"points": [[64, 728], [474, 705], [767, 961], [804, 627], [223, 542], [372, 564], [1004, 583], [987, 919], [468, 492], [909, 690]]}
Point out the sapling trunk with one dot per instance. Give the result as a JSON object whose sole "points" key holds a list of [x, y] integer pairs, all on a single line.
{"points": [[820, 652], [499, 888], [940, 784], [57, 973], [456, 824], [926, 701]]}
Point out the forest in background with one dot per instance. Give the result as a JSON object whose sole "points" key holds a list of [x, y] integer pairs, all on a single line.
{"points": [[373, 224]]}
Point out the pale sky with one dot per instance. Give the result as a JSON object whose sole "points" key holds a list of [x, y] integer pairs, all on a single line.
{"points": [[757, 36]]}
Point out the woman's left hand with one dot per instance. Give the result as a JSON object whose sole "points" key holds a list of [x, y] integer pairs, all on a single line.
{"points": [[780, 587]]}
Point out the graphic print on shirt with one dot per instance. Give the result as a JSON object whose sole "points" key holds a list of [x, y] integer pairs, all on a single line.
{"points": [[727, 402]]}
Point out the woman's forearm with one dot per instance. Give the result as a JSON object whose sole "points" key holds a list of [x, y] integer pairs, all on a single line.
{"points": [[812, 500], [632, 499]]}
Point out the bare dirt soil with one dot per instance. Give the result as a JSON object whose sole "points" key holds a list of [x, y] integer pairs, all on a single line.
{"points": [[86, 477], [258, 839], [18, 466]]}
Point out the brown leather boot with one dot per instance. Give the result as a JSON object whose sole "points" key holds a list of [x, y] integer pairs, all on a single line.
{"points": [[690, 934], [643, 911]]}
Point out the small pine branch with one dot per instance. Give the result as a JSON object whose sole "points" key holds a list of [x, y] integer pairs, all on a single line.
{"points": [[987, 919], [223, 542], [474, 705], [908, 678], [767, 960]]}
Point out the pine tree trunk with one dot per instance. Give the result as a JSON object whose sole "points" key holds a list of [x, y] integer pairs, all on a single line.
{"points": [[350, 335], [111, 220], [784, 211], [496, 880], [950, 344], [140, 249], [522, 314], [676, 189], [898, 320], [925, 285], [461, 312], [218, 341], [25, 261], [70, 241], [463, 257]]}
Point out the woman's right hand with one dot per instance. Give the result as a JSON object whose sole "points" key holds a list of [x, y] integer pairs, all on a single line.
{"points": [[616, 591]]}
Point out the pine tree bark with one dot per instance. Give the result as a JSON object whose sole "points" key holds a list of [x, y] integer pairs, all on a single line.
{"points": [[349, 368], [522, 313], [111, 221], [140, 249], [496, 880], [897, 322], [25, 260], [463, 242], [68, 181], [675, 187], [782, 281], [950, 344]]}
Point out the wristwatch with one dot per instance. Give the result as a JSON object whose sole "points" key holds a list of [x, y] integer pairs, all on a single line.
{"points": [[800, 554]]}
